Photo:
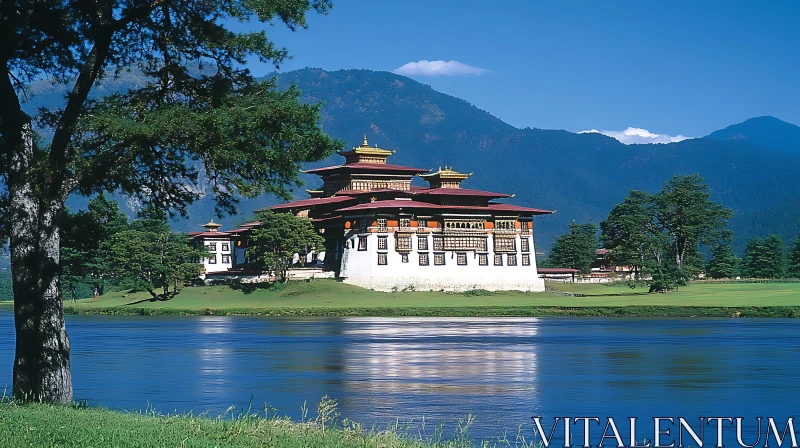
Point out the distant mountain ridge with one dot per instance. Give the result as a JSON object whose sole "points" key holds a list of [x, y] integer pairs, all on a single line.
{"points": [[580, 175], [766, 131]]}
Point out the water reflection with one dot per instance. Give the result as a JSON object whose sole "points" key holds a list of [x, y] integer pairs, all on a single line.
{"points": [[501, 370]]}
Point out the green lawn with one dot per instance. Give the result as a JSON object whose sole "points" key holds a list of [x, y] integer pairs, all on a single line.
{"points": [[328, 297], [37, 425]]}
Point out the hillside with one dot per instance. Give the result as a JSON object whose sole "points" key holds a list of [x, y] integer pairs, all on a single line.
{"points": [[768, 132], [580, 175]]}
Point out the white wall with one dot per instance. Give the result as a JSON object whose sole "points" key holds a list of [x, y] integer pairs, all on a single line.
{"points": [[218, 253], [361, 268]]}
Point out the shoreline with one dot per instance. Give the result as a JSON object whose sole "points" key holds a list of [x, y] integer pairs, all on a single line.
{"points": [[326, 298], [752, 312]]}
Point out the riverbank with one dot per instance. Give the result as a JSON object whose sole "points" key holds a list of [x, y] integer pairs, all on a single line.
{"points": [[332, 298], [69, 426]]}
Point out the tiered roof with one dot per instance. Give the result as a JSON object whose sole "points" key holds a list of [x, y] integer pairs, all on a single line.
{"points": [[368, 160]]}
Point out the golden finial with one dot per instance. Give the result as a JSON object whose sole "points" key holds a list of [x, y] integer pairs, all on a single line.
{"points": [[364, 143]]}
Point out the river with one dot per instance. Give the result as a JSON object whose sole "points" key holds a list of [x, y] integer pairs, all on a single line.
{"points": [[501, 370]]}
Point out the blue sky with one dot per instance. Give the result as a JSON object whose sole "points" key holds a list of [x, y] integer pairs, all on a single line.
{"points": [[676, 68]]}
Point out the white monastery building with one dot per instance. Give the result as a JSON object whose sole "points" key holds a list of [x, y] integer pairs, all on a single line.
{"points": [[385, 234]]}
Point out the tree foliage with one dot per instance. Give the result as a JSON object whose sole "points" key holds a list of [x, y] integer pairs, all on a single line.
{"points": [[723, 262], [765, 258], [794, 260], [149, 256], [660, 235], [576, 249], [279, 237], [183, 134]]}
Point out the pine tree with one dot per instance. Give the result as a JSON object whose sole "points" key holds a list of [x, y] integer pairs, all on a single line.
{"points": [[155, 142], [577, 249], [723, 262], [794, 261]]}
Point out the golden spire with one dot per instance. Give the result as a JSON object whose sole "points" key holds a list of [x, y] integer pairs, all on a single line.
{"points": [[364, 143]]}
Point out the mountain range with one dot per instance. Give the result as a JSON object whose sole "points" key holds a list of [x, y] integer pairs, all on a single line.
{"points": [[752, 167]]}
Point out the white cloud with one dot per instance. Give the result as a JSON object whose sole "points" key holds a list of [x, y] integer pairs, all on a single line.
{"points": [[439, 68], [632, 136]]}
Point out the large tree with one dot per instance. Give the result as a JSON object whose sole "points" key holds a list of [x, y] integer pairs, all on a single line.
{"points": [[627, 231], [723, 262], [685, 212], [794, 259], [764, 258], [153, 142], [576, 249], [148, 255], [279, 237]]}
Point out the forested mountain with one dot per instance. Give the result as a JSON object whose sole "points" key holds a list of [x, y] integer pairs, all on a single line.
{"points": [[768, 132], [751, 167]]}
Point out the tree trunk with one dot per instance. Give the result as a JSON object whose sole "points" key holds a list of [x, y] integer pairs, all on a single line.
{"points": [[41, 364]]}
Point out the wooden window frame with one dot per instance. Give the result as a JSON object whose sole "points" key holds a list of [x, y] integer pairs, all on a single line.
{"points": [[483, 260], [437, 257], [362, 242], [526, 259], [383, 243], [383, 256], [498, 259], [423, 259], [461, 259], [511, 260], [422, 243]]}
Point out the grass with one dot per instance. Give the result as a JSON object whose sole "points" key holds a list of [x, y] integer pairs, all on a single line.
{"points": [[43, 425], [332, 298]]}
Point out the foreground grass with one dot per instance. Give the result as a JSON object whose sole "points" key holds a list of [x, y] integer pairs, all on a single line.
{"points": [[40, 425], [332, 298]]}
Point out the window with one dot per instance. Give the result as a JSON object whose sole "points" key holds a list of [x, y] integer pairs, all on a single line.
{"points": [[362, 226], [463, 225], [505, 244], [422, 243], [462, 259], [402, 243], [525, 227], [382, 244], [465, 243], [382, 225], [226, 247], [422, 223], [438, 243], [405, 258], [483, 259], [362, 242], [212, 259], [226, 258], [438, 259], [524, 244], [212, 247], [405, 222], [512, 259], [423, 259], [382, 259], [505, 224], [526, 260], [498, 260]]}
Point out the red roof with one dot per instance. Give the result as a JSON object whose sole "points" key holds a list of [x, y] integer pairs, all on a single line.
{"points": [[312, 202], [462, 192], [368, 167], [251, 224], [392, 203], [557, 271], [602, 251], [399, 203], [209, 234]]}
